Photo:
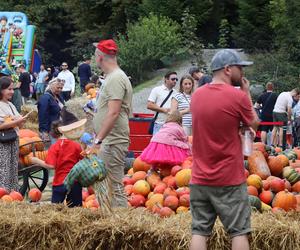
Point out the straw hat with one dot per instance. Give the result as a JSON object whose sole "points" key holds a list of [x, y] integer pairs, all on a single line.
{"points": [[72, 128]]}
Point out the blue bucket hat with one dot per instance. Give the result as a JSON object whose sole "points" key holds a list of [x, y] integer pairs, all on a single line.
{"points": [[5, 72]]}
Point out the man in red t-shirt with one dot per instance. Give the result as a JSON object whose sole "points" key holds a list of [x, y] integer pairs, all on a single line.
{"points": [[218, 182]]}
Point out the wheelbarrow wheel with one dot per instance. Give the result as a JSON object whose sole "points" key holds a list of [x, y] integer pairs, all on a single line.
{"points": [[37, 178]]}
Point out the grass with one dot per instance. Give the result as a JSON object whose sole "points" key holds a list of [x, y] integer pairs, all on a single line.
{"points": [[147, 83]]}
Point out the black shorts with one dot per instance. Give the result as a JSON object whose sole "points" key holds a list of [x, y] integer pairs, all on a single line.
{"points": [[266, 128]]}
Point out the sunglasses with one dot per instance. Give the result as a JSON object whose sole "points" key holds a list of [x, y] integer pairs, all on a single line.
{"points": [[174, 79], [64, 65]]}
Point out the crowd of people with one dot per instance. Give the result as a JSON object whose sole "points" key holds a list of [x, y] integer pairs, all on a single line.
{"points": [[214, 110]]}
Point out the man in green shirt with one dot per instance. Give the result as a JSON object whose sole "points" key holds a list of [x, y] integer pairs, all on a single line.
{"points": [[111, 121]]}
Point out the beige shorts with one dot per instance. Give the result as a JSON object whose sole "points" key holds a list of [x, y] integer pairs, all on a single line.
{"points": [[230, 203]]}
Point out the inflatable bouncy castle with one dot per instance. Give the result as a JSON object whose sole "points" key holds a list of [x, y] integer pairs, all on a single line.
{"points": [[17, 41]]}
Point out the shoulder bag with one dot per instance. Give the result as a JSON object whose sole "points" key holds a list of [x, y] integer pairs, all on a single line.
{"points": [[150, 131], [10, 134]]}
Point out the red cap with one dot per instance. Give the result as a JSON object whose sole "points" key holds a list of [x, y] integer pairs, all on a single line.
{"points": [[107, 46]]}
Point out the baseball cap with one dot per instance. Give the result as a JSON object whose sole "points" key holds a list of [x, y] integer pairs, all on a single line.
{"points": [[107, 46], [227, 57], [193, 70]]}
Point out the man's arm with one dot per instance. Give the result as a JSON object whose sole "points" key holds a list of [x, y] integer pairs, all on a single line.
{"points": [[114, 108], [289, 113], [72, 79], [154, 107]]}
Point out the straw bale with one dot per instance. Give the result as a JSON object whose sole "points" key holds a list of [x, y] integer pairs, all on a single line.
{"points": [[45, 226], [33, 116], [75, 106]]}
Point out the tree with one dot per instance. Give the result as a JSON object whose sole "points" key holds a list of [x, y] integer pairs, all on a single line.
{"points": [[146, 43], [191, 42], [253, 31], [224, 34]]}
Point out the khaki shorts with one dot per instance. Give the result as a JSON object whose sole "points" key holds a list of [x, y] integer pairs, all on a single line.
{"points": [[229, 203], [280, 117]]}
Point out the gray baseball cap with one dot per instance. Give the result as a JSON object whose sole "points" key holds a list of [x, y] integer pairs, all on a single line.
{"points": [[227, 57]]}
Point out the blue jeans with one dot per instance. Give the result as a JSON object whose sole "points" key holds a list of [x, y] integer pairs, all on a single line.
{"points": [[74, 197], [156, 127]]}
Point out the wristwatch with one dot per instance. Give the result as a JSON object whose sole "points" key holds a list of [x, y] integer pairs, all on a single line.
{"points": [[97, 141]]}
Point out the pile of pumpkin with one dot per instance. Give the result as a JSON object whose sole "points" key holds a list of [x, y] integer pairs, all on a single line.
{"points": [[273, 178], [30, 144], [163, 192], [89, 199], [34, 195]]}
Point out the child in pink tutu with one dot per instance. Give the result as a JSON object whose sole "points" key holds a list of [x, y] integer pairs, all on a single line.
{"points": [[169, 146]]}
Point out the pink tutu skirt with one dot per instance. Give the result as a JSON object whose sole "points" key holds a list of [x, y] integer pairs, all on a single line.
{"points": [[163, 154]]}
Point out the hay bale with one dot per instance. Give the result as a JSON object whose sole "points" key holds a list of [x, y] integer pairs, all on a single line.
{"points": [[26, 226], [75, 106], [33, 116]]}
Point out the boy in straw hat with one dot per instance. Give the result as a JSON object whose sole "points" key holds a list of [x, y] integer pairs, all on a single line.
{"points": [[62, 156]]}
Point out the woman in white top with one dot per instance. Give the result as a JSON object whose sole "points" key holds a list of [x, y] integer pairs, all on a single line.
{"points": [[181, 102], [9, 151]]}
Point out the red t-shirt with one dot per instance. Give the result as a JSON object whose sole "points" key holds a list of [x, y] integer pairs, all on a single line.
{"points": [[63, 155], [217, 110]]}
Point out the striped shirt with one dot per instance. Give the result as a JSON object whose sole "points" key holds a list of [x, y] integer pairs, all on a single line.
{"points": [[184, 103]]}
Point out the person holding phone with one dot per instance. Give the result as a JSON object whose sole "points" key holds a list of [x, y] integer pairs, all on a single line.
{"points": [[9, 151], [218, 184]]}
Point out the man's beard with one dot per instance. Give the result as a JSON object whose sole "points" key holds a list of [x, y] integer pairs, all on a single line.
{"points": [[236, 83]]}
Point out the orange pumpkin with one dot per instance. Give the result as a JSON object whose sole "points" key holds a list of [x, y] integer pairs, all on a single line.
{"points": [[139, 165], [141, 187], [297, 151], [139, 175], [252, 190], [171, 202], [153, 179], [89, 86], [298, 202], [285, 200], [284, 160], [27, 160], [266, 196], [296, 187], [27, 133], [258, 165], [42, 155], [38, 143], [275, 165], [183, 177], [154, 199], [23, 148]]}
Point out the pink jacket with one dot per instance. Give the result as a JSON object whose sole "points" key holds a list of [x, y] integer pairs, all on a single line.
{"points": [[171, 133]]}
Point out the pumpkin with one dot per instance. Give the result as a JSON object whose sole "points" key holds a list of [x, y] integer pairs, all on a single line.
{"points": [[265, 207], [297, 151], [275, 165], [153, 179], [137, 200], [291, 175], [89, 86], [171, 202], [154, 199], [294, 163], [38, 143], [266, 196], [254, 180], [139, 175], [284, 159], [254, 202], [183, 177], [141, 187], [285, 200], [298, 202], [290, 154], [42, 155], [296, 187], [259, 146], [27, 160], [23, 148], [139, 165], [277, 185], [182, 209], [34, 194], [252, 190], [27, 133], [166, 212], [258, 165]]}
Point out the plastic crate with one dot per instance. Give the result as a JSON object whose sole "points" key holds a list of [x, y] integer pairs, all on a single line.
{"points": [[139, 142], [139, 124]]}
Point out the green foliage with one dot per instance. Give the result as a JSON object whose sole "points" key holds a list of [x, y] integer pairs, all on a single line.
{"points": [[191, 42], [146, 43], [253, 31], [224, 34], [273, 66]]}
